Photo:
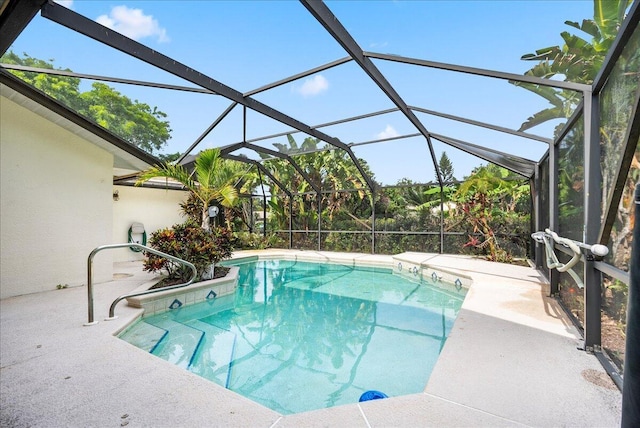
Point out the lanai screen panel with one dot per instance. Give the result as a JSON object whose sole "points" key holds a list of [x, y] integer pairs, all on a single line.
{"points": [[520, 146], [346, 221], [186, 106], [482, 98], [216, 127], [264, 131], [452, 31], [543, 193], [462, 163], [408, 218], [387, 125], [570, 183], [243, 44], [392, 161], [571, 175], [617, 99], [329, 95]]}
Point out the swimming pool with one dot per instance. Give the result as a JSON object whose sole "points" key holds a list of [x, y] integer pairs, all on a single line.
{"points": [[298, 336]]}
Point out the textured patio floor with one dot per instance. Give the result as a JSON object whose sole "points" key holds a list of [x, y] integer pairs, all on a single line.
{"points": [[510, 360]]}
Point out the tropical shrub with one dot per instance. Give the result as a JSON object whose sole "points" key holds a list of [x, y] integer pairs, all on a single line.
{"points": [[256, 241], [491, 203], [188, 241]]}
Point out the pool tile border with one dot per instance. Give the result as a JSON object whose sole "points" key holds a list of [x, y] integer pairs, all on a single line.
{"points": [[402, 264], [168, 300]]}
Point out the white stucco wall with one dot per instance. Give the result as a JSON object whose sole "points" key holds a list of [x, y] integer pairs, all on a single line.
{"points": [[154, 208], [55, 204]]}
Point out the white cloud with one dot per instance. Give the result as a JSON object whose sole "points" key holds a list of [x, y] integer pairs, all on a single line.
{"points": [[133, 23], [313, 86], [389, 132], [66, 3]]}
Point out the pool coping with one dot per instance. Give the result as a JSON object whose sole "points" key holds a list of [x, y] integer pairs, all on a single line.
{"points": [[167, 300], [510, 360]]}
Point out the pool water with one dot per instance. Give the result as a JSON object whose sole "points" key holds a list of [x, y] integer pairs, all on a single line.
{"points": [[298, 336]]}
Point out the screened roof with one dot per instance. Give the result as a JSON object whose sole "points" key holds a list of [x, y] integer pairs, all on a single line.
{"points": [[395, 84]]}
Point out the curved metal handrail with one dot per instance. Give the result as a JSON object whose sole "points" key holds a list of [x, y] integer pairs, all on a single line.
{"points": [[124, 296]]}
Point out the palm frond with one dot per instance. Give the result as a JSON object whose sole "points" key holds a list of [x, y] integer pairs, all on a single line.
{"points": [[174, 172], [206, 166], [227, 195]]}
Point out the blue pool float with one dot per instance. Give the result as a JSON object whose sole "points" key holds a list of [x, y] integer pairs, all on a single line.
{"points": [[372, 395]]}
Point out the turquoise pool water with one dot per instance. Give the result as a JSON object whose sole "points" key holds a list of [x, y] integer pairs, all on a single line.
{"points": [[298, 336]]}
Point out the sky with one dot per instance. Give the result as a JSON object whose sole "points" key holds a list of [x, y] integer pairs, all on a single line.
{"points": [[247, 44]]}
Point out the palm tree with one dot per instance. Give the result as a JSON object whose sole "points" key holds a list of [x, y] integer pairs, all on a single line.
{"points": [[211, 180], [578, 60], [327, 169]]}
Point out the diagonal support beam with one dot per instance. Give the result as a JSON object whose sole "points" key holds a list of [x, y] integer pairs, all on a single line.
{"points": [[57, 72], [226, 151], [322, 125], [517, 164], [92, 29], [15, 15], [329, 21], [578, 87], [261, 168], [298, 76], [207, 131], [547, 141], [288, 158], [231, 148], [257, 91]]}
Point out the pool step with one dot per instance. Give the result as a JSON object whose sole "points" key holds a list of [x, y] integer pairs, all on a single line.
{"points": [[180, 343], [144, 336], [213, 358]]}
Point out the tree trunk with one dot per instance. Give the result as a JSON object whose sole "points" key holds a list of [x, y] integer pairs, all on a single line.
{"points": [[205, 217]]}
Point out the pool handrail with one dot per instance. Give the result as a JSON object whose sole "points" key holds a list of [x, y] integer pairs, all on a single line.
{"points": [[140, 293]]}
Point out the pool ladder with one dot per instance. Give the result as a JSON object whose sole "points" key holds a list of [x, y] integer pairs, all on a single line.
{"points": [[140, 293]]}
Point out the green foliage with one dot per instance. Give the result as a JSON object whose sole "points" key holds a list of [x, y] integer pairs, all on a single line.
{"points": [[136, 122], [347, 242], [192, 208], [329, 170], [168, 157], [490, 201], [615, 300], [215, 180], [64, 89], [577, 60], [188, 241], [256, 241], [491, 208]]}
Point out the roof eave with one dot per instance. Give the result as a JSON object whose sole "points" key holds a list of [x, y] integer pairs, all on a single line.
{"points": [[126, 155]]}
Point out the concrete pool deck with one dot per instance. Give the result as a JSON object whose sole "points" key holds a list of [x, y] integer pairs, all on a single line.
{"points": [[511, 360]]}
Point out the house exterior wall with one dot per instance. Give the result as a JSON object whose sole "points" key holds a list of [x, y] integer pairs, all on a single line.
{"points": [[55, 204], [154, 208]]}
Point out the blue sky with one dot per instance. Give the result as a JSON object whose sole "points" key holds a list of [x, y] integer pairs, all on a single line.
{"points": [[246, 44]]}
